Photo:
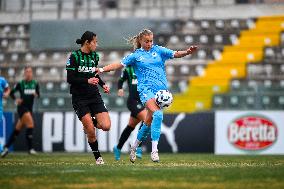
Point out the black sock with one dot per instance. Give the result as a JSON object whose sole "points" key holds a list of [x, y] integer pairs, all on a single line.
{"points": [[29, 137], [124, 136], [140, 145], [12, 138], [94, 147], [95, 122]]}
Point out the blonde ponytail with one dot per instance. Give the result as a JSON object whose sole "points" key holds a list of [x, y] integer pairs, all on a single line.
{"points": [[135, 40]]}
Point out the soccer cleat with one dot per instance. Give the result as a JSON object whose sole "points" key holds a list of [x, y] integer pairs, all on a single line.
{"points": [[132, 155], [32, 152], [116, 153], [155, 156], [139, 152], [100, 161], [4, 152]]}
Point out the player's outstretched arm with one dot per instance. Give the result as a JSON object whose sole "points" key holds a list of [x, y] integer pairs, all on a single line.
{"points": [[110, 67], [180, 54]]}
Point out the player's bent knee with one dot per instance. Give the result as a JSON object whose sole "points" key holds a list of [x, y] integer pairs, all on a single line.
{"points": [[106, 127]]}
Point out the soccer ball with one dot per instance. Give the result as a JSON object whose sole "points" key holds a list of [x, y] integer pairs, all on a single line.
{"points": [[163, 98]]}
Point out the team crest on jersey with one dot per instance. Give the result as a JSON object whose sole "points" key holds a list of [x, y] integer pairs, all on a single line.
{"points": [[154, 54]]}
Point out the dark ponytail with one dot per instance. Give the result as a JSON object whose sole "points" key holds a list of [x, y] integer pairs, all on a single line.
{"points": [[78, 41], [87, 36]]}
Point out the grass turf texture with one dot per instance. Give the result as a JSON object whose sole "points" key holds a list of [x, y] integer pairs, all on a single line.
{"points": [[63, 170]]}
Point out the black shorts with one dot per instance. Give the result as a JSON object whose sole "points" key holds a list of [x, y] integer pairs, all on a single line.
{"points": [[82, 107], [134, 106], [22, 110]]}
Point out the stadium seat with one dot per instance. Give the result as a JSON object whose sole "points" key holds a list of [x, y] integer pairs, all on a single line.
{"points": [[6, 31], [173, 40], [184, 69], [42, 57], [188, 39], [114, 55], [4, 43], [119, 102], [2, 57], [11, 72], [201, 54], [39, 71], [49, 86], [219, 24], [235, 23], [14, 57], [203, 39], [54, 71], [56, 56], [170, 70], [45, 102], [218, 39], [182, 86], [204, 24], [219, 102], [60, 102], [64, 87], [28, 57], [21, 31]]}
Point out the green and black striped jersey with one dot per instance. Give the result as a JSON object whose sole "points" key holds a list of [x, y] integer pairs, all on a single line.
{"points": [[27, 90], [129, 75], [79, 68]]}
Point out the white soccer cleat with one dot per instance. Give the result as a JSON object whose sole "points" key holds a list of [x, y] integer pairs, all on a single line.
{"points": [[100, 161], [132, 155], [155, 156], [4, 152], [32, 152]]}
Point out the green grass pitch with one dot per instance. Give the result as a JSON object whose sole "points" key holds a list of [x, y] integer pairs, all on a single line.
{"points": [[201, 171]]}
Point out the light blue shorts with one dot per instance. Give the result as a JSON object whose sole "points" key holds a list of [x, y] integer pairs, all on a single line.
{"points": [[146, 94]]}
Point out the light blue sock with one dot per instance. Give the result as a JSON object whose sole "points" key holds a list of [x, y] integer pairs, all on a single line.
{"points": [[156, 125], [143, 132]]}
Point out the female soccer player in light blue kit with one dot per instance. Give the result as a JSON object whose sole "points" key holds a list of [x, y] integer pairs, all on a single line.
{"points": [[148, 61], [4, 92]]}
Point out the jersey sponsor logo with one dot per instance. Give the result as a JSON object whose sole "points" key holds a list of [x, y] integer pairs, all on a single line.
{"points": [[29, 91], [85, 69]]}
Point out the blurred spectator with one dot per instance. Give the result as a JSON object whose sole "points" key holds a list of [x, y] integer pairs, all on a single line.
{"points": [[241, 1], [111, 4]]}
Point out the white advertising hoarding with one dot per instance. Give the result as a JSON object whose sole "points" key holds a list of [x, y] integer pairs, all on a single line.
{"points": [[249, 132]]}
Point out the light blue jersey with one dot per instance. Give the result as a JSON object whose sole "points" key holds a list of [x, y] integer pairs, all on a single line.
{"points": [[149, 67], [3, 86]]}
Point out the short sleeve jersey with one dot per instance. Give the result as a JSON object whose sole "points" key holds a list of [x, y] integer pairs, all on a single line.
{"points": [[149, 66]]}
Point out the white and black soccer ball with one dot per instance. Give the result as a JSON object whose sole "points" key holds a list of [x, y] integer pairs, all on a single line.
{"points": [[164, 98]]}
